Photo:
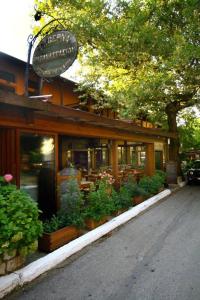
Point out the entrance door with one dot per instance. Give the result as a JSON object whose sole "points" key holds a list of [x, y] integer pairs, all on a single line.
{"points": [[37, 170]]}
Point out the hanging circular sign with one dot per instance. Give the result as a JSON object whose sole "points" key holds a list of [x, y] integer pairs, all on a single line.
{"points": [[55, 54]]}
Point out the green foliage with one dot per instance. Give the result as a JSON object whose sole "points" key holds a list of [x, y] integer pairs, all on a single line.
{"points": [[139, 191], [122, 199], [189, 131], [162, 175], [152, 184], [19, 224], [71, 210], [130, 185], [143, 53], [100, 201]]}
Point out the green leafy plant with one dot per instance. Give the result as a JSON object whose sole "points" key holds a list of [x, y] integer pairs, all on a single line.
{"points": [[19, 224], [130, 185], [100, 201], [123, 198], [162, 175], [151, 184], [71, 209], [139, 191]]}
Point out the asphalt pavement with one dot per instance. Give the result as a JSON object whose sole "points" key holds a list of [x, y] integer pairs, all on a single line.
{"points": [[155, 256]]}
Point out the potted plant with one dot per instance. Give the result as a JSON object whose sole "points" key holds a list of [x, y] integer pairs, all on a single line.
{"points": [[122, 200], [65, 225], [138, 195], [99, 204], [19, 226], [163, 179]]}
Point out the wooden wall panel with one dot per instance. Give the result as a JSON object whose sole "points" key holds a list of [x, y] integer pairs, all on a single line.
{"points": [[8, 152]]}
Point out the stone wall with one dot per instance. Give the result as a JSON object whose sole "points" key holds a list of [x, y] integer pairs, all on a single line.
{"points": [[11, 261]]}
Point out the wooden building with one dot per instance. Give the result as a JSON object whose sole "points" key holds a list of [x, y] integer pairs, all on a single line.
{"points": [[37, 136]]}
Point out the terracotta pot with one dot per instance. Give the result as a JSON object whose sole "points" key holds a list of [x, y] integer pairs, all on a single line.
{"points": [[51, 241], [92, 224], [138, 199]]}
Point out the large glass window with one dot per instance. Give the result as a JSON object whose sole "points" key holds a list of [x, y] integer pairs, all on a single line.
{"points": [[37, 169]]}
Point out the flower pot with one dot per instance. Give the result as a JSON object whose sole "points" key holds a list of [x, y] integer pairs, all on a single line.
{"points": [[51, 241], [92, 224], [138, 199]]}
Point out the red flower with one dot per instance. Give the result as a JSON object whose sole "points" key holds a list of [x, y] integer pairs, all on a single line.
{"points": [[8, 177]]}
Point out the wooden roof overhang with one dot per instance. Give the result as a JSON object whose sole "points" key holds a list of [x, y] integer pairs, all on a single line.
{"points": [[68, 114]]}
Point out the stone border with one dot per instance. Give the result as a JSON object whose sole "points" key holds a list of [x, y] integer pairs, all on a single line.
{"points": [[51, 260]]}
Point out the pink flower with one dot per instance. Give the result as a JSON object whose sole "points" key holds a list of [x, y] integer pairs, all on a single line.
{"points": [[8, 177]]}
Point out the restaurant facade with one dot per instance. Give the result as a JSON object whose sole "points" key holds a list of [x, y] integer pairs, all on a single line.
{"points": [[38, 135]]}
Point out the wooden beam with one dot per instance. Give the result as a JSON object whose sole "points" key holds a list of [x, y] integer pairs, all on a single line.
{"points": [[60, 126], [78, 115]]}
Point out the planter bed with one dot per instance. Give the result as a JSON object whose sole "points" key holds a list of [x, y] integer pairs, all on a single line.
{"points": [[51, 241], [92, 224]]}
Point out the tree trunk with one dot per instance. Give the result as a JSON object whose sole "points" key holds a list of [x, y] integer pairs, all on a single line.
{"points": [[171, 111]]}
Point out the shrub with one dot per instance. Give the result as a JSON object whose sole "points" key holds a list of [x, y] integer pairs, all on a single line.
{"points": [[123, 198], [19, 224], [100, 201], [152, 184], [162, 175], [130, 185], [139, 191], [147, 184], [71, 208]]}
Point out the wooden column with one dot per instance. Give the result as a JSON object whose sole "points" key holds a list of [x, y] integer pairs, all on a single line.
{"points": [[114, 158], [150, 160]]}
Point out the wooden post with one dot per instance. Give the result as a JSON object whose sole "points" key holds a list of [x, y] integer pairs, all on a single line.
{"points": [[114, 158], [150, 159]]}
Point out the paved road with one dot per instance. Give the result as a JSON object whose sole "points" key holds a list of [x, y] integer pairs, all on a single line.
{"points": [[153, 257]]}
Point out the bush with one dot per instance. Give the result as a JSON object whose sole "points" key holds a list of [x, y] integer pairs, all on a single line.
{"points": [[152, 184], [19, 224], [123, 198], [139, 191], [148, 184], [162, 175], [100, 201], [71, 209], [130, 185]]}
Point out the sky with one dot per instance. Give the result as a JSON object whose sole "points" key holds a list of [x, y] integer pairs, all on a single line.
{"points": [[16, 22]]}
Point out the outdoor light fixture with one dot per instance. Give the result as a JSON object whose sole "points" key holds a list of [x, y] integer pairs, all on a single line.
{"points": [[44, 98]]}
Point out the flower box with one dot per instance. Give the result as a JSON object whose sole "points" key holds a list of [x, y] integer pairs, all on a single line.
{"points": [[92, 224], [138, 199], [51, 241]]}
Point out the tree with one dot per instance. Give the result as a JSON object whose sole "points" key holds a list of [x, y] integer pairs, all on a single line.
{"points": [[144, 54], [189, 130]]}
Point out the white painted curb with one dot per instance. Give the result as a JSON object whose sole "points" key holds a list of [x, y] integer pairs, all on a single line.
{"points": [[40, 266], [8, 283]]}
